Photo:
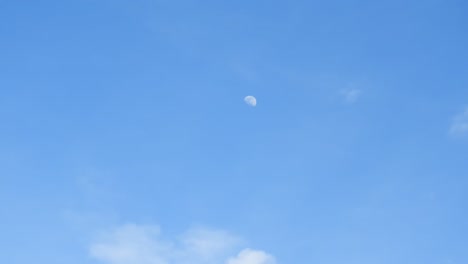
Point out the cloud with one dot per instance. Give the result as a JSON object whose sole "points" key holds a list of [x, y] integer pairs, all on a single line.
{"points": [[207, 244], [132, 244], [459, 125], [249, 256], [140, 244], [351, 95]]}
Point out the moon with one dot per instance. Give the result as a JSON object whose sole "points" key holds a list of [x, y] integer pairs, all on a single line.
{"points": [[250, 100]]}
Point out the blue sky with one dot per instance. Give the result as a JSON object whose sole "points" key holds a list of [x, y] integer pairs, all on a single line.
{"points": [[125, 138]]}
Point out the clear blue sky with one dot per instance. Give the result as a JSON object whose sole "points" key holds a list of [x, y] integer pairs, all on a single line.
{"points": [[129, 115]]}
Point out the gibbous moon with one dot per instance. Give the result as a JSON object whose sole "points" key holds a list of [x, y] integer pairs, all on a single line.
{"points": [[250, 100]]}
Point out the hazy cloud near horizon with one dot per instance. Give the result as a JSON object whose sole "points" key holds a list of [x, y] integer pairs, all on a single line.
{"points": [[140, 244]]}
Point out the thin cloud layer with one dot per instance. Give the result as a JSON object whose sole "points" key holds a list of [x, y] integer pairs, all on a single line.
{"points": [[138, 244], [459, 125], [249, 256], [351, 95], [132, 244]]}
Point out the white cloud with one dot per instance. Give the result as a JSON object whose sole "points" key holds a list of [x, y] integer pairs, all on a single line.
{"points": [[351, 95], [138, 244], [459, 125], [132, 244], [249, 256], [207, 244]]}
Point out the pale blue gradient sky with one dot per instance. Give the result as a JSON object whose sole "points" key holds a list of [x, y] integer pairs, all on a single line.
{"points": [[116, 112]]}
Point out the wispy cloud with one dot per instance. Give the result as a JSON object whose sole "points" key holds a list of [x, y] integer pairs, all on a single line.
{"points": [[249, 256], [459, 125], [351, 95], [139, 244]]}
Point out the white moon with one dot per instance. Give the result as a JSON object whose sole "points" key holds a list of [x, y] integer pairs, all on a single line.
{"points": [[250, 100]]}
